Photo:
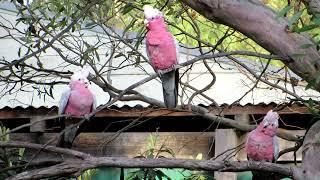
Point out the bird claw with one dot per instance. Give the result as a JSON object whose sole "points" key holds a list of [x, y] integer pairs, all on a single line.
{"points": [[177, 66], [160, 73], [87, 117]]}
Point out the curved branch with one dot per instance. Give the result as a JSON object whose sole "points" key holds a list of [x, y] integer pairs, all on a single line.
{"points": [[261, 24], [75, 166]]}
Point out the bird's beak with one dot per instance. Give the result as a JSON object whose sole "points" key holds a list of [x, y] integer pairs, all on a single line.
{"points": [[146, 22]]}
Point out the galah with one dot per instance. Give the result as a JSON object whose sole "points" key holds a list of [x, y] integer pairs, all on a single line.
{"points": [[77, 100], [162, 50], [262, 143]]}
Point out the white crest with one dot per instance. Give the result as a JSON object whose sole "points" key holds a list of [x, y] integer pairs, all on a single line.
{"points": [[272, 117], [81, 75], [150, 12]]}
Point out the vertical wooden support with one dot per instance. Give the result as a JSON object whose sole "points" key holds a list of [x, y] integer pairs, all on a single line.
{"points": [[242, 136], [39, 126], [225, 139]]}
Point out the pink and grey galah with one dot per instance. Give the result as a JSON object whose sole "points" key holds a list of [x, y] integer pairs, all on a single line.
{"points": [[262, 143], [162, 50], [77, 100]]}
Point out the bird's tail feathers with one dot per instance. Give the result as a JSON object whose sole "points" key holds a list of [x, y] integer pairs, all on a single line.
{"points": [[170, 88]]}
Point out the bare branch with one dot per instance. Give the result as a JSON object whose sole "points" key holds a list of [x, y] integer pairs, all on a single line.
{"points": [[70, 167]]}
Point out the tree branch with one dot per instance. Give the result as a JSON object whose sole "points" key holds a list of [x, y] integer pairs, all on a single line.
{"points": [[255, 21], [75, 166]]}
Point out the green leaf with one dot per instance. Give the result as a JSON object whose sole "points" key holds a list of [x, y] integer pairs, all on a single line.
{"points": [[19, 52], [119, 55], [51, 92], [316, 21], [299, 56], [97, 55], [167, 150], [306, 28], [295, 18], [310, 85], [61, 9], [91, 25], [21, 153], [306, 46], [127, 8], [161, 174], [283, 11]]}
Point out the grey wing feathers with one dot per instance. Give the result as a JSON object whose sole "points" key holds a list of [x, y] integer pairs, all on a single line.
{"points": [[64, 101], [276, 148], [176, 43], [94, 104]]}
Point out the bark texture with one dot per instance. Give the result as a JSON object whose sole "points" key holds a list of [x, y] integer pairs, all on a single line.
{"points": [[311, 153], [258, 22], [313, 7], [73, 168]]}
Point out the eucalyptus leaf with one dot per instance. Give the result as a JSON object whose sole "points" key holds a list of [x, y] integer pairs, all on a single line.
{"points": [[295, 18], [283, 11]]}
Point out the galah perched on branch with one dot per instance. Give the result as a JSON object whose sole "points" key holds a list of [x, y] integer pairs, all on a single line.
{"points": [[77, 100], [262, 143], [162, 49]]}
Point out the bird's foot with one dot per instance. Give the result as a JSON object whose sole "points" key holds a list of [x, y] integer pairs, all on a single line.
{"points": [[160, 73], [176, 66], [87, 117]]}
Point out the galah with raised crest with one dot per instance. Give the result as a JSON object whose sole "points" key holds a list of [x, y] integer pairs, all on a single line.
{"points": [[162, 50], [77, 100], [262, 143]]}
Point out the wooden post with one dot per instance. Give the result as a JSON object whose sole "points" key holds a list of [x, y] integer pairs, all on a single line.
{"points": [[39, 126], [242, 137], [225, 139]]}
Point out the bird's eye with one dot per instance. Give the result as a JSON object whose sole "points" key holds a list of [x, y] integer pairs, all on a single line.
{"points": [[272, 125]]}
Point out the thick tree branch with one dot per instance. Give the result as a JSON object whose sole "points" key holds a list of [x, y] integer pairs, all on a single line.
{"points": [[310, 153], [75, 166], [313, 7], [261, 24]]}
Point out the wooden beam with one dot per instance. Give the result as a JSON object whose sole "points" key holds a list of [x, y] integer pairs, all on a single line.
{"points": [[184, 144]]}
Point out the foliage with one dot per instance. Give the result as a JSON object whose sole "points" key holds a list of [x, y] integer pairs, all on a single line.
{"points": [[11, 158], [88, 174], [152, 152]]}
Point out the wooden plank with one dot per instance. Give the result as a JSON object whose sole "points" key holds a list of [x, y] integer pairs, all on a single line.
{"points": [[8, 113], [183, 144], [39, 126]]}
